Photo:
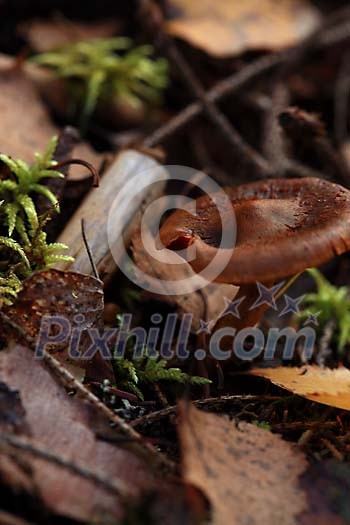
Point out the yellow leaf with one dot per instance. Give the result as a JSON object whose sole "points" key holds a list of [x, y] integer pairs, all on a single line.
{"points": [[323, 385]]}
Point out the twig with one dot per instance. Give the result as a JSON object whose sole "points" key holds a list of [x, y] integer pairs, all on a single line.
{"points": [[68, 162], [152, 17], [333, 449], [207, 165], [308, 138], [297, 426], [135, 441], [88, 250], [66, 142], [265, 64], [272, 139], [219, 91], [341, 101], [116, 486], [211, 402]]}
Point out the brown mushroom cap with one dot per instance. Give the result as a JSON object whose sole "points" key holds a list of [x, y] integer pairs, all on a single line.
{"points": [[283, 227]]}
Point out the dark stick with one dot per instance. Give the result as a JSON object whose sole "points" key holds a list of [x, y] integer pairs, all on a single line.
{"points": [[94, 173], [189, 77], [341, 101], [322, 39], [88, 250]]}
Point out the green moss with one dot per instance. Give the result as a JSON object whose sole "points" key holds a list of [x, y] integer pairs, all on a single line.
{"points": [[23, 244], [132, 372], [331, 304], [98, 69]]}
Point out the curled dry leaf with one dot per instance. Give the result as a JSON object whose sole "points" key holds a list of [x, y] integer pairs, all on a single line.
{"points": [[247, 473], [64, 294], [323, 385], [26, 126], [46, 35], [209, 304], [224, 28]]}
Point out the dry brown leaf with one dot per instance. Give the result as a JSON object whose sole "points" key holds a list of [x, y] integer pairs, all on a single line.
{"points": [[67, 427], [249, 475], [323, 385], [63, 424], [45, 35], [224, 28], [66, 294], [192, 303], [26, 126]]}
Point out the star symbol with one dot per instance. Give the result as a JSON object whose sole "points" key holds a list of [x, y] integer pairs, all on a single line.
{"points": [[232, 307], [292, 305], [313, 318], [267, 295], [204, 327]]}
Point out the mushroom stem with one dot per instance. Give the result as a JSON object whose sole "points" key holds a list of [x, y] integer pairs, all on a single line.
{"points": [[247, 316]]}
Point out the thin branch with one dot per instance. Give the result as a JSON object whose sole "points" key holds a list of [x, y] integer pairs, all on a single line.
{"points": [[257, 162], [219, 91], [134, 441], [322, 39], [341, 101], [210, 402], [88, 250], [94, 173]]}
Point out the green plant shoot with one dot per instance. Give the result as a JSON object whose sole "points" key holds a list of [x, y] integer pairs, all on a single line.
{"points": [[23, 244], [99, 69], [331, 303], [133, 372]]}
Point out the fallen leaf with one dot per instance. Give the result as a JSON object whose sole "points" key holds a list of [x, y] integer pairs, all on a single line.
{"points": [[64, 425], [45, 35], [67, 428], [223, 28], [26, 126], [323, 385], [249, 475], [207, 304], [65, 294]]}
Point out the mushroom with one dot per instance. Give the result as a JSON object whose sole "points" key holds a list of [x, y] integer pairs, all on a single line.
{"points": [[283, 227]]}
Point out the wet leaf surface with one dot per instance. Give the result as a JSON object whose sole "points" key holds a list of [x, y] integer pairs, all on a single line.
{"points": [[66, 295]]}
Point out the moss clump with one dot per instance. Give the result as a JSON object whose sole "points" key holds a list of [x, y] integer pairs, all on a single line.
{"points": [[23, 244], [99, 69]]}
